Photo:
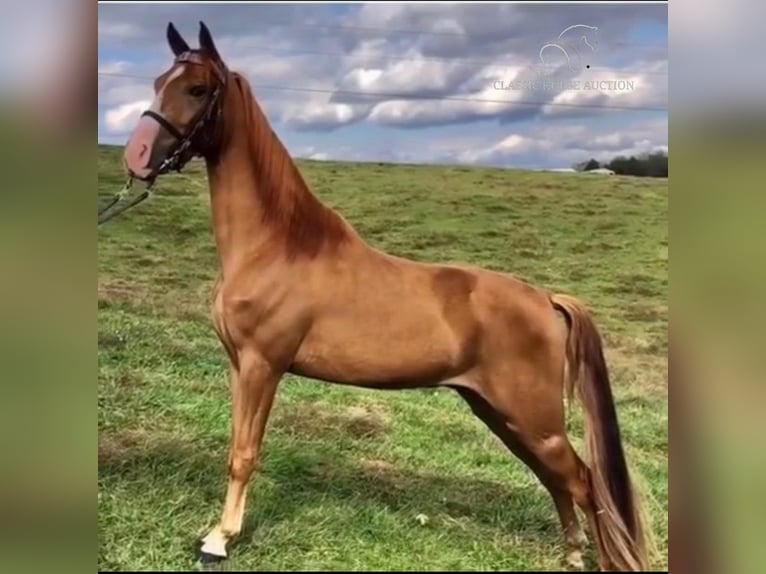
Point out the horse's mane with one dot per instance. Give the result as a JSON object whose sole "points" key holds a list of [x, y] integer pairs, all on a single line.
{"points": [[300, 219]]}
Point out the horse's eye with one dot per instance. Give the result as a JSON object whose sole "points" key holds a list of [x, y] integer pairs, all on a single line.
{"points": [[197, 91]]}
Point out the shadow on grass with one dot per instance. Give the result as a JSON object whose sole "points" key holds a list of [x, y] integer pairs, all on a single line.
{"points": [[296, 478]]}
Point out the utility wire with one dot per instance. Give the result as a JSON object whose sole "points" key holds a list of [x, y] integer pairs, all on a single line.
{"points": [[401, 96], [392, 58], [443, 33]]}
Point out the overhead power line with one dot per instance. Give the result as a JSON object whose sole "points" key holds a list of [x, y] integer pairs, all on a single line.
{"points": [[395, 96], [445, 33], [402, 96], [497, 60]]}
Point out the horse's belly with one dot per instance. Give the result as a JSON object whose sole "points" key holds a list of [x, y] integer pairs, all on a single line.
{"points": [[392, 356]]}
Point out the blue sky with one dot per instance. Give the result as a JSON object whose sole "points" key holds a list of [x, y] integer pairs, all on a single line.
{"points": [[455, 53]]}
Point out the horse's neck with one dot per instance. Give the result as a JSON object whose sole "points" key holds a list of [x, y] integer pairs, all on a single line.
{"points": [[235, 214], [259, 200]]}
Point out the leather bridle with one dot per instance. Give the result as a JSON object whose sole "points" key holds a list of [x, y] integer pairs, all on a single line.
{"points": [[203, 137], [198, 140]]}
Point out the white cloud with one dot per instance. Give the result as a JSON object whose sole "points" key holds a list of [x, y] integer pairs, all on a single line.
{"points": [[115, 67], [322, 115], [485, 104], [550, 146], [123, 118], [437, 78], [416, 50], [643, 85], [570, 144], [112, 30], [511, 146], [413, 75], [363, 79], [113, 90]]}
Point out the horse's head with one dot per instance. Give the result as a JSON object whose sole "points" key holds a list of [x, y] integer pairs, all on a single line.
{"points": [[590, 41], [184, 119], [590, 37]]}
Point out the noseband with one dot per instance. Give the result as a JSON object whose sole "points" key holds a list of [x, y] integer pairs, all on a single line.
{"points": [[199, 140]]}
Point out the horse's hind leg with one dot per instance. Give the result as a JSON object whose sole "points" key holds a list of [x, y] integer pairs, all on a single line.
{"points": [[550, 475]]}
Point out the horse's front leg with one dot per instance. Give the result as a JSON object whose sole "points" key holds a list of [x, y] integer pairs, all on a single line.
{"points": [[252, 391]]}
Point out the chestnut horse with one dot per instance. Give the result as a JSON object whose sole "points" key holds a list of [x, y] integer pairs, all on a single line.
{"points": [[301, 292]]}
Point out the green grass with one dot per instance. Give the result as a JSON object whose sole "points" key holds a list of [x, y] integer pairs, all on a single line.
{"points": [[347, 473]]}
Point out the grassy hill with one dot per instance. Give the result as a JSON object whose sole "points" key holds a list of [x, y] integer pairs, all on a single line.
{"points": [[353, 478]]}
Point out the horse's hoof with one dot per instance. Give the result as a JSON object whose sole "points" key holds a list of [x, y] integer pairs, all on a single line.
{"points": [[209, 562]]}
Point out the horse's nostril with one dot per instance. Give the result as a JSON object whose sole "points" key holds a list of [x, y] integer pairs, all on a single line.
{"points": [[144, 149]]}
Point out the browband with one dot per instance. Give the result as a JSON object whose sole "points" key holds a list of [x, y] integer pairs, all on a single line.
{"points": [[197, 58]]}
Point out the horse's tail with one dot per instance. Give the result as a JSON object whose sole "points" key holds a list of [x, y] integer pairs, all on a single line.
{"points": [[620, 536]]}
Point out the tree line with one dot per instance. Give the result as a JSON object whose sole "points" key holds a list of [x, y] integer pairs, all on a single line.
{"points": [[644, 165]]}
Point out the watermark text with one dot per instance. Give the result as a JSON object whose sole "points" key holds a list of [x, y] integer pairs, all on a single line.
{"points": [[553, 85]]}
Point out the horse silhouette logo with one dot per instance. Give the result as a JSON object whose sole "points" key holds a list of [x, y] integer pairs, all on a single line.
{"points": [[566, 49]]}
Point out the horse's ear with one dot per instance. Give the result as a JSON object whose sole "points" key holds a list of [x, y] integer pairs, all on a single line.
{"points": [[176, 42], [206, 42]]}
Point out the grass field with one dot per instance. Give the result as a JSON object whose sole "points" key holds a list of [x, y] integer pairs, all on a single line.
{"points": [[362, 479]]}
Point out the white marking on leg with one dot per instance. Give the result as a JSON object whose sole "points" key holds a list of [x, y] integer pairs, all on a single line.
{"points": [[214, 543], [576, 541], [575, 561]]}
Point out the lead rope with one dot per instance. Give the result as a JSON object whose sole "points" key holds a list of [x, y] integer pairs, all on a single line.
{"points": [[103, 216]]}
